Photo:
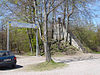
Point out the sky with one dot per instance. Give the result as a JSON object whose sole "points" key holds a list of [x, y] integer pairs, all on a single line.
{"points": [[95, 7]]}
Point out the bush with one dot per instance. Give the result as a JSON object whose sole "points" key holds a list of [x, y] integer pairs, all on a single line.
{"points": [[63, 48]]}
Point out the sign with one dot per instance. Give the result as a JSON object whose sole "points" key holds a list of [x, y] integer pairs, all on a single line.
{"points": [[24, 25]]}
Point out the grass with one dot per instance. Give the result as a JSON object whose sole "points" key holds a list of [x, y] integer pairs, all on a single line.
{"points": [[46, 66], [96, 52], [29, 54]]}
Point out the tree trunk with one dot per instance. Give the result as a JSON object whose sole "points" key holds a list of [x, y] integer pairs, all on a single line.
{"points": [[53, 22], [46, 47], [68, 32], [68, 16], [37, 47], [30, 43], [67, 27], [70, 40]]}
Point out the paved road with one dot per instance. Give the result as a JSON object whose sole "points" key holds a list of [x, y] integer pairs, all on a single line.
{"points": [[76, 67]]}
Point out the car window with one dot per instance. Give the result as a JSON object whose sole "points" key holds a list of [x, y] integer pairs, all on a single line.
{"points": [[3, 54], [10, 54]]}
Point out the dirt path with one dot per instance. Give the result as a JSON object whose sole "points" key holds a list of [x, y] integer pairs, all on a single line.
{"points": [[88, 64]]}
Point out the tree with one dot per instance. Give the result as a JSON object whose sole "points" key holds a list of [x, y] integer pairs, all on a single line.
{"points": [[33, 11], [73, 10], [26, 13], [47, 11]]}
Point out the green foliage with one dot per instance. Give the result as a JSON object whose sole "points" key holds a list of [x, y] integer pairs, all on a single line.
{"points": [[87, 36], [96, 52], [16, 1], [63, 48], [19, 40], [88, 50]]}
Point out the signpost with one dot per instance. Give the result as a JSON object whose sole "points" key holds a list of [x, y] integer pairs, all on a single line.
{"points": [[8, 36], [23, 25], [37, 45]]}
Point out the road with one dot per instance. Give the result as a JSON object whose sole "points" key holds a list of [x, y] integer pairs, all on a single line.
{"points": [[77, 65]]}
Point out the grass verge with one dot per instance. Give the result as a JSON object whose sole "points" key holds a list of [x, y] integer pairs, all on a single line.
{"points": [[46, 66]]}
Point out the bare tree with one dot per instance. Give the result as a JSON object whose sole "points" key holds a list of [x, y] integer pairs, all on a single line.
{"points": [[47, 11]]}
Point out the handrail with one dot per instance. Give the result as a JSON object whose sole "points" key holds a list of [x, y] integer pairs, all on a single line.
{"points": [[77, 40]]}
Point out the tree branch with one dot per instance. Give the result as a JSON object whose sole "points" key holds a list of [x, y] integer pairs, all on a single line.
{"points": [[11, 10], [73, 6], [55, 7]]}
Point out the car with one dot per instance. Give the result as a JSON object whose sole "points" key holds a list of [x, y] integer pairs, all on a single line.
{"points": [[7, 59]]}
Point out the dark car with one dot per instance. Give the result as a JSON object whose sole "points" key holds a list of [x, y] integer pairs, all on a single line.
{"points": [[7, 59]]}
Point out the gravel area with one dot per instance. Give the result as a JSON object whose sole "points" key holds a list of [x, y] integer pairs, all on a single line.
{"points": [[84, 64]]}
